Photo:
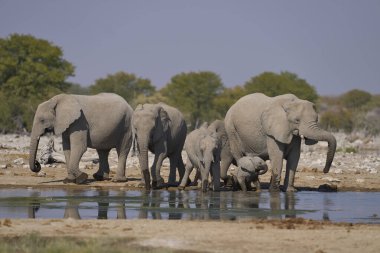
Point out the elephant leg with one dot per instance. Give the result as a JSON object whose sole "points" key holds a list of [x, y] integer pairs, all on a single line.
{"points": [[293, 158], [172, 171], [122, 153], [104, 168], [204, 176], [179, 164], [224, 166], [215, 172], [78, 145], [242, 183], [157, 180], [66, 147], [276, 154], [185, 178], [257, 185]]}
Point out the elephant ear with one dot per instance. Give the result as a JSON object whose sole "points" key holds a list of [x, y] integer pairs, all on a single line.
{"points": [[165, 120], [275, 123], [67, 110], [162, 123]]}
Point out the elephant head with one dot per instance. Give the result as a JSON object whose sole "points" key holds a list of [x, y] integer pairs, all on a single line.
{"points": [[54, 116], [210, 153], [289, 116], [150, 125], [209, 147]]}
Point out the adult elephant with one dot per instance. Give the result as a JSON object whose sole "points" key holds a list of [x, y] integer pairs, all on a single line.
{"points": [[100, 121], [160, 129], [271, 128]]}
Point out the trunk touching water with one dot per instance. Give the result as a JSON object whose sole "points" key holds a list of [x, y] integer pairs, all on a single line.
{"points": [[315, 133], [143, 160], [34, 165]]}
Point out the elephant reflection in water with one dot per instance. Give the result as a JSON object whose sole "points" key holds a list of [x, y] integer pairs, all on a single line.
{"points": [[33, 205], [289, 205], [72, 205], [151, 202]]}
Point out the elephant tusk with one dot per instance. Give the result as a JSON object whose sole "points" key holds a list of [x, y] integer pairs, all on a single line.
{"points": [[302, 137]]}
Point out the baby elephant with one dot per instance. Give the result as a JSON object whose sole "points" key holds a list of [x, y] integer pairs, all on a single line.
{"points": [[203, 152], [249, 169]]}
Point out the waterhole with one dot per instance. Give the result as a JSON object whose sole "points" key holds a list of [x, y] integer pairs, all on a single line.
{"points": [[354, 207]]}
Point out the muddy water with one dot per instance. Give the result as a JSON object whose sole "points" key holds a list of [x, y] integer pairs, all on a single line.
{"points": [[355, 207]]}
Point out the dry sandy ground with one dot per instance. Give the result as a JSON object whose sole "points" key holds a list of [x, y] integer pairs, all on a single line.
{"points": [[351, 171]]}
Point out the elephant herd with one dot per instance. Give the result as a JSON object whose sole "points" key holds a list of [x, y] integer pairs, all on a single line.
{"points": [[255, 129]]}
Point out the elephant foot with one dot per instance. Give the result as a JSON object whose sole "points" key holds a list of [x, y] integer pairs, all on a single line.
{"points": [[81, 178], [159, 184], [172, 184], [274, 188], [229, 181], [119, 179], [99, 177], [78, 180], [181, 187], [291, 189], [188, 183]]}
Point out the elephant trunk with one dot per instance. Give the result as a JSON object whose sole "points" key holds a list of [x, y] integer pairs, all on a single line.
{"points": [[315, 133], [34, 165], [262, 170], [143, 160]]}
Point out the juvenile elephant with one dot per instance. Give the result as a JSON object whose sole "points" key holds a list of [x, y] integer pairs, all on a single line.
{"points": [[162, 130], [271, 128], [203, 152], [249, 169], [100, 121], [225, 154]]}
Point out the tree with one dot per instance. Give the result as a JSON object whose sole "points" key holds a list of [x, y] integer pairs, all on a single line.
{"points": [[193, 93], [335, 120], [227, 98], [126, 85], [272, 84], [32, 67], [355, 99], [31, 70]]}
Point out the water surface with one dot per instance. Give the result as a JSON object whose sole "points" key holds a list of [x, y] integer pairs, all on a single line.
{"points": [[355, 207]]}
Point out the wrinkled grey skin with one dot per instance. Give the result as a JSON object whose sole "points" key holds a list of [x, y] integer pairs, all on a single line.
{"points": [[101, 122], [248, 171], [271, 128], [203, 151], [160, 129]]}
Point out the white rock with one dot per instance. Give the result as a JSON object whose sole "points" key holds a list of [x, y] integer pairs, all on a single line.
{"points": [[372, 171], [18, 161], [41, 174], [360, 180], [3, 166], [338, 171], [310, 177], [25, 166]]}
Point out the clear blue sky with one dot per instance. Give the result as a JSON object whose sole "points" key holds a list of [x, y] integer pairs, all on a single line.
{"points": [[333, 44]]}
